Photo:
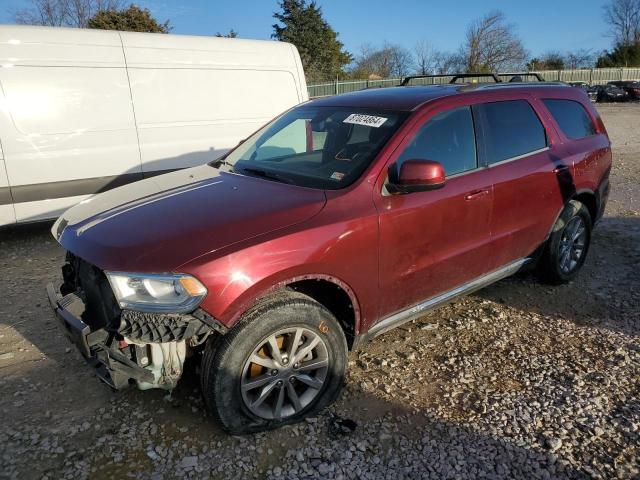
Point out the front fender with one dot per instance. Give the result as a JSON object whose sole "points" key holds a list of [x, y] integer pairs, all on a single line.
{"points": [[343, 253]]}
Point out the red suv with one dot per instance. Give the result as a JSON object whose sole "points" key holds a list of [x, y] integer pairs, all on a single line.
{"points": [[339, 220]]}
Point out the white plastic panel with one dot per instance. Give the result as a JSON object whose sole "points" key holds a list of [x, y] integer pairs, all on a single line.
{"points": [[65, 123], [63, 100], [44, 46], [171, 51], [187, 117]]}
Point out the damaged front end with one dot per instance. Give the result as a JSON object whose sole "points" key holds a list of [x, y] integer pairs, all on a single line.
{"points": [[125, 346]]}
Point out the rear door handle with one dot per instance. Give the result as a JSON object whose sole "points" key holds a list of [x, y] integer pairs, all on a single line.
{"points": [[476, 194], [560, 168]]}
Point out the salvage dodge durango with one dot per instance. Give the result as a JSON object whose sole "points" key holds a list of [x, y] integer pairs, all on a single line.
{"points": [[344, 217]]}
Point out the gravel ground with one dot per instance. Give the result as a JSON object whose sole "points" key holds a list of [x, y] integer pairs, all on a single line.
{"points": [[519, 380]]}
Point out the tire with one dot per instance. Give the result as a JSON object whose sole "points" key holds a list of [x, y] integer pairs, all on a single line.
{"points": [[229, 377], [559, 262]]}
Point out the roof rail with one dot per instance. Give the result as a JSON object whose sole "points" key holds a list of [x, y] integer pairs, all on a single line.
{"points": [[513, 75], [454, 77]]}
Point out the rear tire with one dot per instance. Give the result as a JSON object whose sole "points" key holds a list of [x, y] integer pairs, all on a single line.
{"points": [[567, 246], [284, 360]]}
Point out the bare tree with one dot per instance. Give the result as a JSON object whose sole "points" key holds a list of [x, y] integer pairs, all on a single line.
{"points": [[232, 34], [63, 13], [582, 58], [446, 63], [387, 61], [491, 44], [401, 60], [425, 57], [370, 62], [623, 17]]}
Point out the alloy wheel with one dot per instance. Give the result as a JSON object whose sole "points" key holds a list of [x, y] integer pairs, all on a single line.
{"points": [[572, 244], [284, 373]]}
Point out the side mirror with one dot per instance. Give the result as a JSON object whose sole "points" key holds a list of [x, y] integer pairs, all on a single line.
{"points": [[415, 176]]}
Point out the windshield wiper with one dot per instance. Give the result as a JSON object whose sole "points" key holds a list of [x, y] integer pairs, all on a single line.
{"points": [[266, 174]]}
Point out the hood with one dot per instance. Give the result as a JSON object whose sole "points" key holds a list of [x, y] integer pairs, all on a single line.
{"points": [[158, 224]]}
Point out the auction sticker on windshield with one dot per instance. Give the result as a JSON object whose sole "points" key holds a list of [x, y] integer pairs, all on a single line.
{"points": [[367, 120]]}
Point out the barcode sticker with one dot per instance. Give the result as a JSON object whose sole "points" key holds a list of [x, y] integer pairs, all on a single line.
{"points": [[367, 120]]}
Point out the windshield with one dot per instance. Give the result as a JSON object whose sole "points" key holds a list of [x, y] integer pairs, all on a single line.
{"points": [[318, 147]]}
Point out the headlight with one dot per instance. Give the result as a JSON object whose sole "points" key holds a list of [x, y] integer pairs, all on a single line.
{"points": [[156, 292]]}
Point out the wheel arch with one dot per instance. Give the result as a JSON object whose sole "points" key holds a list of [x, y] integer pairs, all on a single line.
{"points": [[589, 199], [585, 196], [331, 292]]}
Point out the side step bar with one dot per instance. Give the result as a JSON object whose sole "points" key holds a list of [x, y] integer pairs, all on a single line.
{"points": [[421, 308]]}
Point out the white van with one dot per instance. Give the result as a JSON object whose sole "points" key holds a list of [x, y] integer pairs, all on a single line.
{"points": [[82, 111]]}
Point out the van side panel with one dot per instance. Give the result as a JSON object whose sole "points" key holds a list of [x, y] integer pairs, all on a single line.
{"points": [[66, 121], [178, 128], [195, 98], [81, 109]]}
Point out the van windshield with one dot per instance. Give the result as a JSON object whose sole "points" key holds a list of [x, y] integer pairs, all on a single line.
{"points": [[317, 147]]}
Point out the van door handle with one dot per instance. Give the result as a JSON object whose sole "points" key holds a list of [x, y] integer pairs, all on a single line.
{"points": [[561, 168], [476, 194]]}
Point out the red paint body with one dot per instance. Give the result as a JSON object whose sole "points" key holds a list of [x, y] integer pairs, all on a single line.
{"points": [[244, 237]]}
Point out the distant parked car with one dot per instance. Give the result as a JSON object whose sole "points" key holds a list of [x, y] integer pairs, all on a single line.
{"points": [[632, 87], [611, 93], [592, 92]]}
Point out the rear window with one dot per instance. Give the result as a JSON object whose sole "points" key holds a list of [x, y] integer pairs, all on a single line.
{"points": [[573, 119], [510, 129]]}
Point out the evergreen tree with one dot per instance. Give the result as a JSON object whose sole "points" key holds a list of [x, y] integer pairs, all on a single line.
{"points": [[623, 55], [322, 54], [131, 19]]}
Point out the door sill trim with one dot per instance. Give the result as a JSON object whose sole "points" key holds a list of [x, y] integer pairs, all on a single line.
{"points": [[421, 308]]}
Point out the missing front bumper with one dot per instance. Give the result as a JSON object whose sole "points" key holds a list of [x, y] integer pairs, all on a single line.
{"points": [[145, 349], [112, 366]]}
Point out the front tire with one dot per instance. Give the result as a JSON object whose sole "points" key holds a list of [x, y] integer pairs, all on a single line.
{"points": [[566, 249], [284, 360]]}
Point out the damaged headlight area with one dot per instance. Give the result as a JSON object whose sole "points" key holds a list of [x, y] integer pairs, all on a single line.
{"points": [[156, 293], [135, 329]]}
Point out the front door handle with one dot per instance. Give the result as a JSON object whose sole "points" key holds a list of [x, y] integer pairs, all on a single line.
{"points": [[476, 194], [560, 168]]}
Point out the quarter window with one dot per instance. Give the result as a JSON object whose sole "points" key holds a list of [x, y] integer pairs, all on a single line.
{"points": [[510, 129], [573, 119], [447, 138]]}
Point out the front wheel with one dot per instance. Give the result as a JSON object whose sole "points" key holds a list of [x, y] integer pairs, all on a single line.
{"points": [[567, 246], [284, 361]]}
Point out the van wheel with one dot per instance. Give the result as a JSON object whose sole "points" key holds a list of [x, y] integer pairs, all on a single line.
{"points": [[566, 250], [284, 360]]}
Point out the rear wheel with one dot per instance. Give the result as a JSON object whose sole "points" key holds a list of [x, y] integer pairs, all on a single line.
{"points": [[567, 246], [285, 360]]}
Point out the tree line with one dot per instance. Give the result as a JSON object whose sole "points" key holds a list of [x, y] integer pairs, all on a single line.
{"points": [[490, 44]]}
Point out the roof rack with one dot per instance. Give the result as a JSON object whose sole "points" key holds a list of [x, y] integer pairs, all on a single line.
{"points": [[494, 76], [513, 75], [454, 77]]}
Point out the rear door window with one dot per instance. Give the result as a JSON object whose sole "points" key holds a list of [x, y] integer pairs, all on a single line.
{"points": [[573, 119], [448, 138], [509, 129]]}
